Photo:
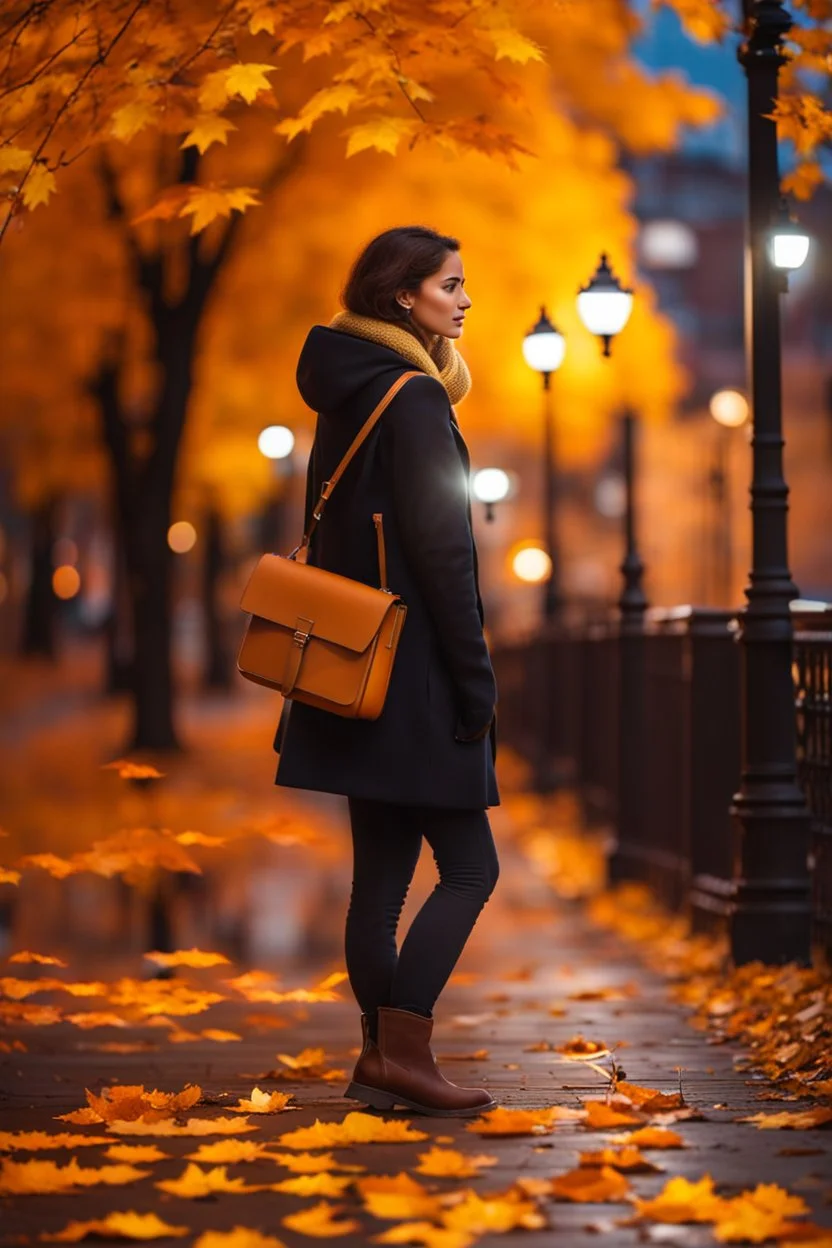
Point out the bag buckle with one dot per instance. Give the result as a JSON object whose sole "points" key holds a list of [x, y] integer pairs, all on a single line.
{"points": [[301, 635]]}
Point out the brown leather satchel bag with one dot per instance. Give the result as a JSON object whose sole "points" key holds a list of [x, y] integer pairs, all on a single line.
{"points": [[318, 637]]}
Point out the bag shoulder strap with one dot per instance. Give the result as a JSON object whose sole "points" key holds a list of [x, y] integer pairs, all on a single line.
{"points": [[364, 431]]}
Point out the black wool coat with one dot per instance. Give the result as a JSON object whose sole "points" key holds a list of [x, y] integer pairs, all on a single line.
{"points": [[413, 468]]}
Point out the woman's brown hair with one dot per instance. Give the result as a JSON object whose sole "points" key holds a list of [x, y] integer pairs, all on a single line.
{"points": [[398, 259]]}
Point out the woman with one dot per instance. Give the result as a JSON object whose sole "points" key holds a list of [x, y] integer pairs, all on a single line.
{"points": [[425, 767]]}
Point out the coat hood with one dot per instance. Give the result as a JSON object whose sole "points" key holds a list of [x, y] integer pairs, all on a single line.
{"points": [[333, 366]]}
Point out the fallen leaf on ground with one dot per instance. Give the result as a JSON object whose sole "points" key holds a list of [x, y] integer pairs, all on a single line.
{"points": [[493, 1212], [147, 1153], [31, 1141], [230, 1151], [478, 1055], [188, 957], [133, 771], [758, 1215], [238, 1237], [312, 1163], [194, 1126], [424, 1233], [577, 1047], [262, 1102], [320, 1221], [322, 1184], [591, 1184], [448, 1162], [651, 1137], [194, 1183], [794, 1120], [35, 1177], [127, 1225], [127, 1103], [628, 1158], [599, 1114], [357, 1128], [649, 1100], [43, 959], [502, 1121], [397, 1196], [683, 1201]]}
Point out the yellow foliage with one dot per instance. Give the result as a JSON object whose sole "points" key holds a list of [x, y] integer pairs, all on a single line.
{"points": [[502, 1121], [357, 1128], [127, 1225], [320, 1221], [194, 1126], [189, 957], [449, 1163], [262, 1102], [591, 1184], [237, 1237], [36, 1177], [32, 1141], [194, 1183], [322, 1184]]}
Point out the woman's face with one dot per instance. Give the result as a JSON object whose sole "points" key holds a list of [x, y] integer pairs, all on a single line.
{"points": [[440, 304]]}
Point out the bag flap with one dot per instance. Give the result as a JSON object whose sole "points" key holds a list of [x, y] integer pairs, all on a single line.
{"points": [[346, 612]]}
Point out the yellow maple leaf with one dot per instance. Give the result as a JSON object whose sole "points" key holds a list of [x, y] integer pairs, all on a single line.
{"points": [[207, 129], [323, 1184], [652, 1137], [383, 134], [449, 1162], [247, 80], [32, 1141], [261, 19], [44, 959], [220, 1037], [205, 204], [793, 1120], [601, 1115], [337, 98], [502, 1121], [397, 1196], [8, 876], [682, 1201], [195, 1183], [357, 1128], [591, 1184], [510, 44], [188, 957], [320, 1221], [30, 1177], [130, 119], [128, 1225], [499, 1213], [311, 1163], [57, 867], [133, 771], [147, 1153], [38, 188], [237, 1237], [200, 838], [626, 1158], [704, 20], [194, 1126], [424, 1233], [261, 1102], [230, 1151]]}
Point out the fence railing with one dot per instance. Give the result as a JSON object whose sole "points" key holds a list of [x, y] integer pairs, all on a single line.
{"points": [[646, 729]]}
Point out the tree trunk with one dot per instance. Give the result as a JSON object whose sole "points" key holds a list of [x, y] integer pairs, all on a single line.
{"points": [[217, 674], [117, 626], [38, 637]]}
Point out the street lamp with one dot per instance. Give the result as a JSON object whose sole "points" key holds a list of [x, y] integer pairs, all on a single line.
{"points": [[490, 486], [729, 409], [543, 350], [788, 243], [769, 906], [276, 443], [604, 305]]}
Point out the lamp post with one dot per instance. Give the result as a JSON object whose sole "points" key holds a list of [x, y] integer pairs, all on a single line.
{"points": [[604, 306], [276, 442], [543, 350], [729, 408], [490, 486], [770, 906]]}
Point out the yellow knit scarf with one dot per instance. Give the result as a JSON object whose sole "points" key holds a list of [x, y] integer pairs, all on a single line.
{"points": [[443, 361]]}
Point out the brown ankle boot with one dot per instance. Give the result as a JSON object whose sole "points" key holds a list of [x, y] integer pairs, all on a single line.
{"points": [[401, 1070]]}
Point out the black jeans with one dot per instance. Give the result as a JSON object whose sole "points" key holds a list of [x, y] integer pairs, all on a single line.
{"points": [[387, 838]]}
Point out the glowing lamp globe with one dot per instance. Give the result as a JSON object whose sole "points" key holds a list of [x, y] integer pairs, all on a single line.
{"points": [[604, 305], [276, 442], [729, 408], [544, 347]]}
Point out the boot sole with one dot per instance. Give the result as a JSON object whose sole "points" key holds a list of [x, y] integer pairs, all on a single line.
{"points": [[377, 1098]]}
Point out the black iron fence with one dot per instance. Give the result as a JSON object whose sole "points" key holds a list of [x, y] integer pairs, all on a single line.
{"points": [[646, 728]]}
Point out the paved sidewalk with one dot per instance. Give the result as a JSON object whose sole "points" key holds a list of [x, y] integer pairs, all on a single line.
{"points": [[530, 954]]}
